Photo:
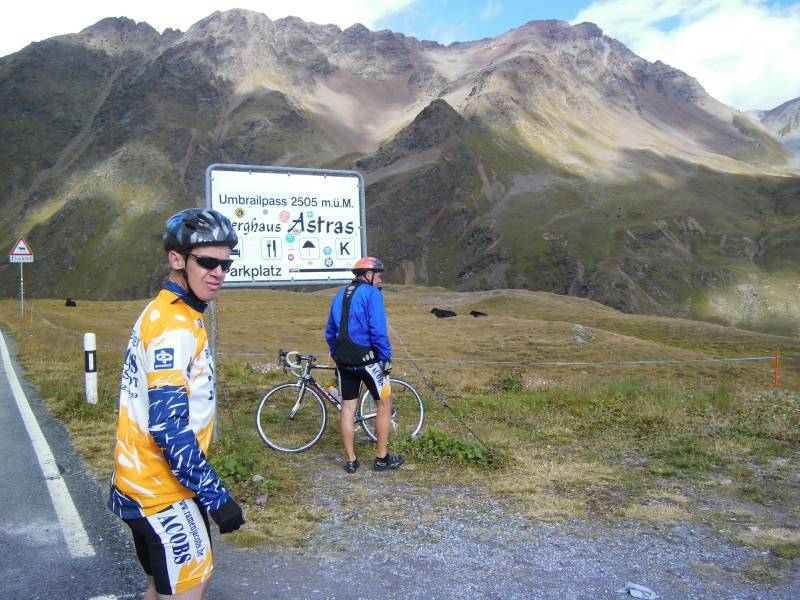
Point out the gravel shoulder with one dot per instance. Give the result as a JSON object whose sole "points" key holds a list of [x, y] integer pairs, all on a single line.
{"points": [[384, 536]]}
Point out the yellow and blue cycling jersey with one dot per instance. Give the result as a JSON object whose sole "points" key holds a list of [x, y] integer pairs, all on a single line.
{"points": [[166, 411]]}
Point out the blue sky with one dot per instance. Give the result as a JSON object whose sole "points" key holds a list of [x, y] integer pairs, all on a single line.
{"points": [[447, 21], [744, 52]]}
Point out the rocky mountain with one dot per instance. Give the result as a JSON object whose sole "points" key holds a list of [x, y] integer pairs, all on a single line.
{"points": [[550, 157], [783, 122]]}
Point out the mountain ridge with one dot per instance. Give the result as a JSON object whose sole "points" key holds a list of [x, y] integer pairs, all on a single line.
{"points": [[783, 122], [550, 157]]}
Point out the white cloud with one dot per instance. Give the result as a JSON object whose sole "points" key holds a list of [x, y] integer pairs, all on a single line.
{"points": [[491, 10], [744, 52], [449, 34], [35, 20]]}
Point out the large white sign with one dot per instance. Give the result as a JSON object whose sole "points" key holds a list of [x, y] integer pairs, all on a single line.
{"points": [[295, 226]]}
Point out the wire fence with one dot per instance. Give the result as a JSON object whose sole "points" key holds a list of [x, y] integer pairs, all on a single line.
{"points": [[422, 365], [548, 363], [466, 362], [71, 333]]}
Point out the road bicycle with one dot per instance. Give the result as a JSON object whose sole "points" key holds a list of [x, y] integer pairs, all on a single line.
{"points": [[292, 417]]}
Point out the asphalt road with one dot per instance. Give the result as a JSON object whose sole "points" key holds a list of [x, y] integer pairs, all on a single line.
{"points": [[38, 562], [35, 558]]}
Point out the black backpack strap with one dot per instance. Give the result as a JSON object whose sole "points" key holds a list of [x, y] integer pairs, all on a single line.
{"points": [[344, 322], [348, 353]]}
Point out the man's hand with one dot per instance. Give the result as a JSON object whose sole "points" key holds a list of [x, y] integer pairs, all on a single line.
{"points": [[228, 517], [386, 366]]}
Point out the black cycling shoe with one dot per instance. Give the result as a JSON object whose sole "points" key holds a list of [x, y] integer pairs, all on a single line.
{"points": [[389, 463], [352, 466]]}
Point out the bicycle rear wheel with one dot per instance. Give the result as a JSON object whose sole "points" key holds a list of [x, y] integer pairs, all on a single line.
{"points": [[289, 422], [408, 411]]}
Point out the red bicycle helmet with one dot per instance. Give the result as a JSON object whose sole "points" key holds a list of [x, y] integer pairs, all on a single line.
{"points": [[368, 263]]}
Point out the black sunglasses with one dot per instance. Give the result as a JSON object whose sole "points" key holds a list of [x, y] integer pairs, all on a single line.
{"points": [[210, 263]]}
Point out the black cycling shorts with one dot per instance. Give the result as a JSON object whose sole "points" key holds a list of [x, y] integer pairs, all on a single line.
{"points": [[174, 546], [372, 376]]}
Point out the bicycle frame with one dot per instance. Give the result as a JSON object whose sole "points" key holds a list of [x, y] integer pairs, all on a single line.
{"points": [[292, 397], [306, 379]]}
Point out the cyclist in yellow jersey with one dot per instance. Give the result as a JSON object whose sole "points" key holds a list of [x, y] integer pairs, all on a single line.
{"points": [[162, 486]]}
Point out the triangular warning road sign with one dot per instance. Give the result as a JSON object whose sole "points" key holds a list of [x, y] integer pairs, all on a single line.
{"points": [[21, 248]]}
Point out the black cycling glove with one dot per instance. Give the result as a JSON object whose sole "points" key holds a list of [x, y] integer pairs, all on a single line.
{"points": [[386, 365], [228, 517]]}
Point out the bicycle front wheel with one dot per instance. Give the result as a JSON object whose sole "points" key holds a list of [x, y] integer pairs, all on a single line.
{"points": [[408, 411], [291, 419]]}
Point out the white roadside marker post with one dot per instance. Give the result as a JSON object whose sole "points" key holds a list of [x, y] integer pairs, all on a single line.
{"points": [[90, 361]]}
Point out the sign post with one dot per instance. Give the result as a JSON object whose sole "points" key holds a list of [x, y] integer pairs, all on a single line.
{"points": [[21, 253]]}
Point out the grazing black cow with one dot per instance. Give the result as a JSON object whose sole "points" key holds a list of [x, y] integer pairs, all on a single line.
{"points": [[477, 313], [443, 314], [70, 302]]}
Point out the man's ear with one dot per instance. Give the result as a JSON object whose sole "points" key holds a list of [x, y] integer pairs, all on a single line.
{"points": [[176, 260]]}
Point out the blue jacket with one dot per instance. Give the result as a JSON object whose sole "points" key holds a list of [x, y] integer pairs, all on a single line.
{"points": [[367, 323]]}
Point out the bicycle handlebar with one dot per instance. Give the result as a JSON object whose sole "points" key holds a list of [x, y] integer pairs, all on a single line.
{"points": [[286, 359]]}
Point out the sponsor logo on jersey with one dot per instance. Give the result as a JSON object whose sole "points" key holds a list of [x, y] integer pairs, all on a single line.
{"points": [[164, 358], [175, 529]]}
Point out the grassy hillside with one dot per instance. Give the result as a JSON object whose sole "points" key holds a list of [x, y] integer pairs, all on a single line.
{"points": [[658, 442], [476, 209]]}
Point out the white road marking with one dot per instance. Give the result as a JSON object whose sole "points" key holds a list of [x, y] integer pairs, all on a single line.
{"points": [[75, 535]]}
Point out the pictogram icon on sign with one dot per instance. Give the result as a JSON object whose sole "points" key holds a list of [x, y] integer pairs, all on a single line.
{"points": [[344, 248], [271, 248], [21, 252], [310, 249], [21, 248]]}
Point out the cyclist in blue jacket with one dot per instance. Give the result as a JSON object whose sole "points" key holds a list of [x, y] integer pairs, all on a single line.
{"points": [[359, 343]]}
